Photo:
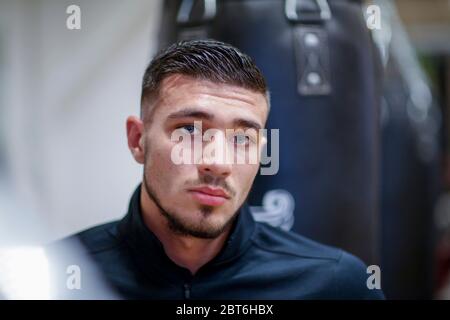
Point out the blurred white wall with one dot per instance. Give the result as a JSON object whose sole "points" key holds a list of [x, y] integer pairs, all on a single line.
{"points": [[65, 97]]}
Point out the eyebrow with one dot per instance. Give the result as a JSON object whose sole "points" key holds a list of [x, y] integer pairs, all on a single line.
{"points": [[246, 123], [191, 113], [194, 113]]}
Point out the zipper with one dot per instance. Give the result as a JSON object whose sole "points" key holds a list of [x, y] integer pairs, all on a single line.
{"points": [[187, 291]]}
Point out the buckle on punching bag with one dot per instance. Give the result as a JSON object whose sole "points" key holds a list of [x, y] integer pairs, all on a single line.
{"points": [[307, 10], [311, 45], [312, 59], [193, 16], [189, 8]]}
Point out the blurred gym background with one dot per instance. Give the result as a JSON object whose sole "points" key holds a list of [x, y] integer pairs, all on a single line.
{"points": [[363, 113]]}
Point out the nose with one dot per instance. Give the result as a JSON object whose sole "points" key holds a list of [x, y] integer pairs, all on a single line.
{"points": [[221, 170], [215, 164]]}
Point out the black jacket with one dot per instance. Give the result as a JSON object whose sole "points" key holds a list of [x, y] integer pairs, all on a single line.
{"points": [[257, 262]]}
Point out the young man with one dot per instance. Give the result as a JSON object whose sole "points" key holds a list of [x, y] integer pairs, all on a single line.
{"points": [[188, 233]]}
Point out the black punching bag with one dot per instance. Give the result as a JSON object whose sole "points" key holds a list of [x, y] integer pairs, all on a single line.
{"points": [[411, 132], [323, 74], [409, 183]]}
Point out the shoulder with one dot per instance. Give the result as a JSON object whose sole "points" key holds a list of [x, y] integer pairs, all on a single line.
{"points": [[94, 240], [342, 274], [289, 243], [92, 253], [351, 276]]}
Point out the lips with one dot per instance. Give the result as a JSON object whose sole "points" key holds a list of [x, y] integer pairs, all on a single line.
{"points": [[209, 196]]}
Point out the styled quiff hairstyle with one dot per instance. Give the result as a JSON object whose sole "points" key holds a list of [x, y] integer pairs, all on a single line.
{"points": [[210, 60]]}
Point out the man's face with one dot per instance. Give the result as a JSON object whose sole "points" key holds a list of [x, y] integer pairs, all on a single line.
{"points": [[200, 199]]}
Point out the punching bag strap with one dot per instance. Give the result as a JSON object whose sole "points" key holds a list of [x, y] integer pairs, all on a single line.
{"points": [[307, 10], [310, 45], [193, 16]]}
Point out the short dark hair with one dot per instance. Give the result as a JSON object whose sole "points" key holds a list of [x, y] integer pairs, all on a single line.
{"points": [[211, 60]]}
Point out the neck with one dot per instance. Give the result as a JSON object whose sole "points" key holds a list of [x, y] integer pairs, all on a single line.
{"points": [[186, 251]]}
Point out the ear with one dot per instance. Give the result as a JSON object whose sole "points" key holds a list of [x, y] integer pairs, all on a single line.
{"points": [[135, 135]]}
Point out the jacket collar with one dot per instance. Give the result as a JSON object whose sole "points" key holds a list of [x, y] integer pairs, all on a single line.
{"points": [[149, 254]]}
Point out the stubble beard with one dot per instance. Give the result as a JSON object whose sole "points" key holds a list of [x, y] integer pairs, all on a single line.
{"points": [[181, 227]]}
